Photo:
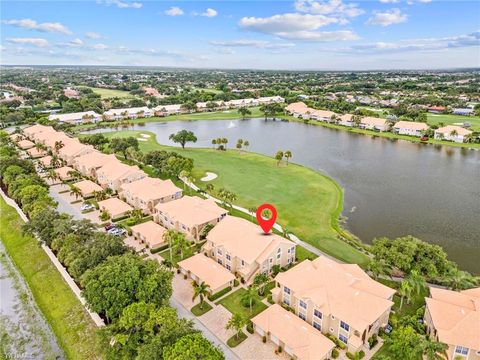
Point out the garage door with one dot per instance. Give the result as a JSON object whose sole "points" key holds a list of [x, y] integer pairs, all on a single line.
{"points": [[194, 277], [274, 339], [288, 350], [259, 330]]}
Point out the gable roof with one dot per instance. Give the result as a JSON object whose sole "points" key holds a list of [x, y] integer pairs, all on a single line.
{"points": [[114, 206], [343, 290], [87, 186], [412, 125], [114, 170], [151, 231], [94, 159], [244, 239], [449, 128]]}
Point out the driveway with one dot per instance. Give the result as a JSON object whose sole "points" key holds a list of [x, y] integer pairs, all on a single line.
{"points": [[216, 320], [65, 205], [183, 291], [254, 348], [130, 241]]}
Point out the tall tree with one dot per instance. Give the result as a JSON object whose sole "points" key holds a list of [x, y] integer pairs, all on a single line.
{"points": [[193, 346], [288, 155], [237, 322], [182, 137], [200, 290], [279, 157]]}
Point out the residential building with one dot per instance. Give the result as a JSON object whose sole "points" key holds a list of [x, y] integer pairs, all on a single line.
{"points": [[436, 109], [452, 133], [149, 233], [71, 93], [453, 318], [35, 153], [463, 111], [373, 123], [128, 113], [410, 128], [88, 164], [34, 129], [147, 192], [201, 268], [50, 138], [76, 118], [165, 110], [298, 109], [16, 137], [114, 173], [189, 215], [88, 188], [299, 340], [46, 162], [270, 100], [322, 115], [73, 149], [346, 120], [242, 247], [25, 144], [115, 208], [64, 173], [337, 298]]}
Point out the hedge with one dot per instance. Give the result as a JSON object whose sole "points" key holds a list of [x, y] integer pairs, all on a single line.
{"points": [[219, 294], [160, 248]]}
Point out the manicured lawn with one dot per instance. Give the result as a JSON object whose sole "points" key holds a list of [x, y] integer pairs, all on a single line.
{"points": [[197, 311], [234, 341], [233, 304], [448, 119], [75, 331], [268, 289], [308, 203], [302, 254], [176, 257], [111, 93]]}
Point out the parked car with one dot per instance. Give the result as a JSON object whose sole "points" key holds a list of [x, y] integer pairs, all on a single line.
{"points": [[117, 231], [109, 226], [86, 207]]}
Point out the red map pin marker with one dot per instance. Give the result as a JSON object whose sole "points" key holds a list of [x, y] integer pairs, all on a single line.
{"points": [[266, 224]]}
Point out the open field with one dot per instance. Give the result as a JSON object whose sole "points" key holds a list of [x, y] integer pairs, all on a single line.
{"points": [[308, 202], [72, 326], [111, 93], [447, 119]]}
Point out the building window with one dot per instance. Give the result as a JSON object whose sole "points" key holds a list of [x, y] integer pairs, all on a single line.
{"points": [[279, 250], [302, 316], [461, 350], [344, 326], [287, 290], [228, 257], [317, 326], [271, 260], [220, 262], [219, 252], [278, 256], [286, 301], [243, 263], [228, 267], [343, 338], [302, 304], [317, 313]]}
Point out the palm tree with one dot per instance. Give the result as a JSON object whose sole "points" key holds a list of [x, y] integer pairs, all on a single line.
{"points": [[99, 195], [75, 191], [136, 214], [182, 245], [169, 237], [244, 112], [54, 161], [461, 280], [379, 268], [252, 210], [260, 281], [250, 296], [405, 291], [52, 175], [239, 145], [246, 144], [237, 322], [200, 290], [288, 155], [214, 142], [279, 157], [434, 350], [58, 145], [209, 188], [74, 174], [225, 142], [417, 282]]}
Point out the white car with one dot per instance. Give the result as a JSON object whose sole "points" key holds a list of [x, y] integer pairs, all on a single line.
{"points": [[86, 207]]}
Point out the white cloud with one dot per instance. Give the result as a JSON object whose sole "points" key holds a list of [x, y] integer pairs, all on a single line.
{"points": [[174, 11], [75, 43], [259, 44], [93, 35], [209, 13], [426, 44], [389, 1], [297, 27], [386, 18], [30, 41], [331, 7], [121, 4], [44, 27], [99, 47]]}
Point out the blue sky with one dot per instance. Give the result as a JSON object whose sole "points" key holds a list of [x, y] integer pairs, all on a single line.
{"points": [[297, 34]]}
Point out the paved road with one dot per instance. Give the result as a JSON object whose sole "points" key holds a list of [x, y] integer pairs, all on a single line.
{"points": [[183, 312], [64, 205]]}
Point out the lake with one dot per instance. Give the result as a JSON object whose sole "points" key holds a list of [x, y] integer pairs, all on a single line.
{"points": [[392, 187]]}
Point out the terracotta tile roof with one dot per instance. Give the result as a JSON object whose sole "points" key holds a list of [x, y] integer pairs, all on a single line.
{"points": [[151, 232], [343, 290], [373, 121], [207, 270], [148, 188], [115, 170], [456, 316], [412, 125], [115, 207], [304, 340], [25, 144], [63, 172], [244, 239], [87, 187], [29, 131], [191, 210], [95, 159], [449, 128]]}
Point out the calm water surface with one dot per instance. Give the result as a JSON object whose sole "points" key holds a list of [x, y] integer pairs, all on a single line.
{"points": [[392, 188]]}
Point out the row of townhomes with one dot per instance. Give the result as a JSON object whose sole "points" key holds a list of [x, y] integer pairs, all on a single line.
{"points": [[450, 132], [161, 110], [311, 299]]}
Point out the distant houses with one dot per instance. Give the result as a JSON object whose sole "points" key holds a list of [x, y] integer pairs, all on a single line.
{"points": [[452, 133], [76, 118], [410, 128]]}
